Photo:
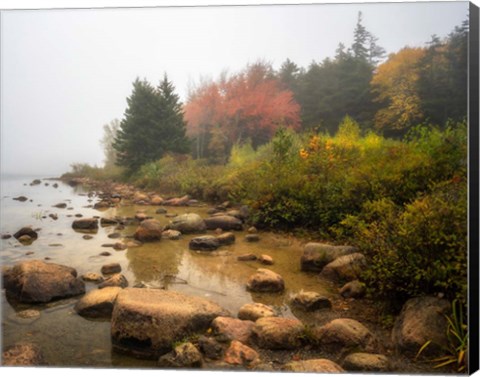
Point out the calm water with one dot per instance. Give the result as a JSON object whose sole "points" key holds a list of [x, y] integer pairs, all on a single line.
{"points": [[67, 339]]}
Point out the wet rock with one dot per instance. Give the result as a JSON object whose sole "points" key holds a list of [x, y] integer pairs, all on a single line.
{"points": [[211, 348], [87, 237], [177, 202], [188, 223], [311, 301], [78, 215], [36, 281], [226, 238], [422, 319], [90, 224], [228, 328], [146, 322], [6, 236], [252, 238], [353, 289], [26, 231], [114, 235], [254, 311], [55, 185], [92, 277], [366, 362], [343, 334], [53, 216], [25, 317], [185, 355], [21, 198], [204, 243], [111, 268], [23, 354], [103, 204], [98, 303], [240, 354], [156, 200], [247, 257], [223, 222], [278, 333], [313, 366], [35, 182], [265, 280], [119, 246], [107, 222], [171, 234], [149, 230], [60, 205], [117, 280], [318, 255], [346, 268], [266, 259]]}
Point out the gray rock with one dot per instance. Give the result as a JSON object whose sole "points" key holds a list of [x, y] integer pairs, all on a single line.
{"points": [[223, 222], [345, 268], [204, 243], [318, 255], [188, 223], [311, 301]]}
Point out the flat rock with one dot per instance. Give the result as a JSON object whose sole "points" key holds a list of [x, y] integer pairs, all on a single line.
{"points": [[254, 311], [318, 255], [223, 222], [36, 281], [98, 303], [313, 366], [345, 268], [188, 223], [240, 354], [204, 243], [229, 328], [23, 354], [366, 362], [278, 333], [117, 280], [149, 230], [310, 301], [265, 280], [147, 322]]}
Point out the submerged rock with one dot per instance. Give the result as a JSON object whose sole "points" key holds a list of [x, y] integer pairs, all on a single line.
{"points": [[23, 354], [92, 277], [265, 280], [111, 268], [226, 238], [36, 281], [252, 238], [117, 280], [171, 234], [26, 231], [247, 257], [147, 322], [21, 198]]}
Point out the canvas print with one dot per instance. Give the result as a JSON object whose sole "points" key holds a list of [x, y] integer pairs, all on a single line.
{"points": [[275, 188]]}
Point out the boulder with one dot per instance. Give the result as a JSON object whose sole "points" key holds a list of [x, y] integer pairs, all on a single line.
{"points": [[223, 222], [318, 255], [204, 243], [97, 303], [23, 354], [229, 328], [188, 223], [111, 268], [117, 280], [26, 231], [177, 202], [149, 230], [147, 322], [266, 259], [310, 301], [346, 268], [343, 334], [247, 257], [353, 289], [226, 238], [240, 354], [265, 280], [90, 224], [156, 200], [36, 281], [366, 362], [313, 366], [185, 355], [278, 333], [254, 311], [210, 347], [422, 319], [171, 234]]}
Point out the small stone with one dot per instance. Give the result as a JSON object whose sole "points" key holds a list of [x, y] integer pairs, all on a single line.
{"points": [[265, 280], [240, 354], [53, 216], [111, 268], [254, 311], [265, 259], [353, 289], [204, 243], [105, 254], [23, 354], [60, 205], [313, 366], [252, 238], [247, 257], [278, 333], [21, 198], [161, 211], [92, 277], [117, 280], [78, 215], [252, 230], [114, 235], [87, 237], [232, 329], [226, 238], [171, 234], [6, 236]]}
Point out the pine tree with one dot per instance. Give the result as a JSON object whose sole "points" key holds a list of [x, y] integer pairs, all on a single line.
{"points": [[360, 40]]}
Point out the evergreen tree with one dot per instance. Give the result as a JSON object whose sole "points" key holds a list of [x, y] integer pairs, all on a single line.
{"points": [[361, 39], [152, 125]]}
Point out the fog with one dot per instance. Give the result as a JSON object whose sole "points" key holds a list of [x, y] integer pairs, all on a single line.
{"points": [[66, 73]]}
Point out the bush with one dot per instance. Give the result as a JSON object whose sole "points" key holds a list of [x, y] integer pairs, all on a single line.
{"points": [[113, 173]]}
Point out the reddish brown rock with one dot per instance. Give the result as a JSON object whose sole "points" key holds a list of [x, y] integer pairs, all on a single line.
{"points": [[233, 329], [240, 354]]}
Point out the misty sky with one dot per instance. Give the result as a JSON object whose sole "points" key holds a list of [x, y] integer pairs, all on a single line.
{"points": [[66, 73]]}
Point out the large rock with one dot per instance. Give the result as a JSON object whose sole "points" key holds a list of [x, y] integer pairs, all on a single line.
{"points": [[98, 303], [204, 243], [26, 231], [149, 230], [23, 354], [188, 223], [265, 280], [318, 255], [177, 202], [254, 311], [147, 322], [366, 362], [233, 329], [310, 301], [36, 281], [240, 354], [90, 224], [343, 334], [278, 333], [313, 366], [346, 268], [223, 222], [185, 355], [422, 319]]}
